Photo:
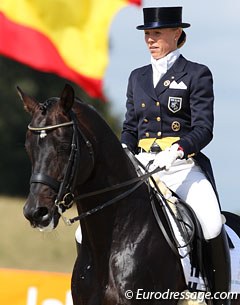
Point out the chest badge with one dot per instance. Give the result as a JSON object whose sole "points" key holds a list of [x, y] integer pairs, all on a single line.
{"points": [[176, 126], [166, 83], [174, 103]]}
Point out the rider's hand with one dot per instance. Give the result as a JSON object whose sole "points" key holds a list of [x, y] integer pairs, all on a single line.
{"points": [[165, 158]]}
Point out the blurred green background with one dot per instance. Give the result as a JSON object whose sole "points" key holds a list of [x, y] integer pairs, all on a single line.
{"points": [[22, 246], [14, 164]]}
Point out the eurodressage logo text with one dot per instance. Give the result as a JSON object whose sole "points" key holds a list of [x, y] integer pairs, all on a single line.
{"points": [[140, 294]]}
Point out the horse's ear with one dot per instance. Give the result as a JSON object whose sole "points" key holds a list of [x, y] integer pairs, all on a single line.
{"points": [[28, 102], [67, 98]]}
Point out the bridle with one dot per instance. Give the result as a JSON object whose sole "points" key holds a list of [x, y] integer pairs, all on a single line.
{"points": [[65, 188]]}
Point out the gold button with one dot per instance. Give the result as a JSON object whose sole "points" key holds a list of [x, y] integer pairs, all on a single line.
{"points": [[157, 103], [145, 120], [143, 105], [147, 134], [176, 126], [159, 134], [158, 119]]}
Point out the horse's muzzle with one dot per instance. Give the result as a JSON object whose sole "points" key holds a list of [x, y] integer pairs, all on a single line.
{"points": [[41, 217]]}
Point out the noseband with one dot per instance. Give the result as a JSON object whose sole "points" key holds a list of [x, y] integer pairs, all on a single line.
{"points": [[64, 188]]}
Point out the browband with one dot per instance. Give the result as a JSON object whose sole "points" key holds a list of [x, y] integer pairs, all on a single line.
{"points": [[49, 127]]}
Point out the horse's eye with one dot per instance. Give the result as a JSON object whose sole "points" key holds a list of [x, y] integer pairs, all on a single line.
{"points": [[63, 147]]}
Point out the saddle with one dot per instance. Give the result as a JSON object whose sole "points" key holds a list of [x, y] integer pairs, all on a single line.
{"points": [[179, 216]]}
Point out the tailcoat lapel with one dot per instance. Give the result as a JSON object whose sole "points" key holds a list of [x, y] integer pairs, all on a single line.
{"points": [[146, 82], [176, 72]]}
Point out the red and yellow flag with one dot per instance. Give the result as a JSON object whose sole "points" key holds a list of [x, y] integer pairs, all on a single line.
{"points": [[65, 37]]}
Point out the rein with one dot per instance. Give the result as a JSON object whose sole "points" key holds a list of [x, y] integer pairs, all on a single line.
{"points": [[65, 188], [139, 180]]}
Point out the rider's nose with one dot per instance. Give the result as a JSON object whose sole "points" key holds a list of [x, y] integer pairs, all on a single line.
{"points": [[150, 39]]}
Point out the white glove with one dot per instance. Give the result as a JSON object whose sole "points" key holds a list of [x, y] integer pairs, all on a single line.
{"points": [[165, 158]]}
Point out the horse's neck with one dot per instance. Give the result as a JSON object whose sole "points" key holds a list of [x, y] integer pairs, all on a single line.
{"points": [[108, 172], [112, 166]]}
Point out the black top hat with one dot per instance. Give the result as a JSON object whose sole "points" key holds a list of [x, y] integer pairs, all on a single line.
{"points": [[162, 17]]}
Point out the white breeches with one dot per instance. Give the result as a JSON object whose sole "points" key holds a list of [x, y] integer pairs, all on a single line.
{"points": [[187, 180]]}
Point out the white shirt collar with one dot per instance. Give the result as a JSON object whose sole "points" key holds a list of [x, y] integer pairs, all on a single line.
{"points": [[162, 65]]}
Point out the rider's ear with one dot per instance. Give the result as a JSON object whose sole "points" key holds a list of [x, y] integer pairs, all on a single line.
{"points": [[67, 98], [28, 102]]}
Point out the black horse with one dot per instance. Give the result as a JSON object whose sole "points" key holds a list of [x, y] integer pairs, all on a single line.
{"points": [[125, 258]]}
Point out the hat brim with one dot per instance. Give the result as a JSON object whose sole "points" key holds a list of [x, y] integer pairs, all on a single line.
{"points": [[158, 25]]}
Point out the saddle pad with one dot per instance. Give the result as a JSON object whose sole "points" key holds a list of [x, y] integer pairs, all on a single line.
{"points": [[196, 281], [235, 260], [193, 278]]}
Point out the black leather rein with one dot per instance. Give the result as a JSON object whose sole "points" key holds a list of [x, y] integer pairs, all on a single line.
{"points": [[65, 188]]}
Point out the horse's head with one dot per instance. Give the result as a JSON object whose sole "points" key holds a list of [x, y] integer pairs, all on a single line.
{"points": [[52, 145]]}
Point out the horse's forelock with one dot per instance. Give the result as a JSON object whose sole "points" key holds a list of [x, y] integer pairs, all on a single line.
{"points": [[46, 105]]}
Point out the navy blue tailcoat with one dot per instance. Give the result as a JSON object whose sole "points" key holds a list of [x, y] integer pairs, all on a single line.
{"points": [[181, 106]]}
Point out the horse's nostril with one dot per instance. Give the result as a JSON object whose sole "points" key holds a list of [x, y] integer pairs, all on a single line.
{"points": [[40, 212]]}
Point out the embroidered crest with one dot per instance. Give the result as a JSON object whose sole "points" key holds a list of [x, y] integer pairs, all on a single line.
{"points": [[174, 103]]}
